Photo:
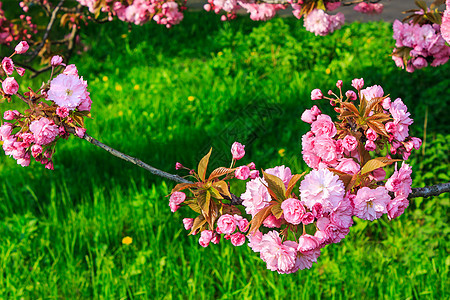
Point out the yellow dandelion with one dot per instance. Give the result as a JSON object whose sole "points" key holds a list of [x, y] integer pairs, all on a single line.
{"points": [[282, 152], [105, 78], [191, 98], [123, 35], [120, 113], [328, 71], [220, 53], [127, 240], [136, 87], [118, 87]]}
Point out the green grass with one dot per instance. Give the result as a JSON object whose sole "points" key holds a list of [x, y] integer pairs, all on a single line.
{"points": [[61, 231]]}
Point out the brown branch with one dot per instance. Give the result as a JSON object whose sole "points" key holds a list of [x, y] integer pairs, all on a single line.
{"points": [[429, 191]]}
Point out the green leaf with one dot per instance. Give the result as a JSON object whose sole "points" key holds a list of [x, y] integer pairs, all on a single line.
{"points": [[276, 186], [377, 163], [203, 165], [215, 193]]}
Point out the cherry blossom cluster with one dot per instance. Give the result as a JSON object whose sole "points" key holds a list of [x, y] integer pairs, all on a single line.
{"points": [[163, 12], [418, 46], [19, 29], [54, 111], [288, 229]]}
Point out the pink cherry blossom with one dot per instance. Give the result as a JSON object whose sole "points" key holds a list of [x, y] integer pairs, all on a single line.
{"points": [[307, 243], [370, 146], [177, 198], [322, 186], [324, 126], [237, 150], [44, 130], [397, 206], [68, 91], [351, 95], [349, 166], [316, 94], [56, 60], [445, 27], [293, 211], [10, 115], [8, 65], [272, 222], [358, 83], [400, 182], [188, 222], [205, 238], [349, 143], [242, 173], [22, 47], [371, 204], [237, 239], [256, 196], [62, 112], [279, 256], [10, 86], [308, 116], [226, 224], [282, 172]]}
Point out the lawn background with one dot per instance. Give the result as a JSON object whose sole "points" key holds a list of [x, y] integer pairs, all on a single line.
{"points": [[168, 95]]}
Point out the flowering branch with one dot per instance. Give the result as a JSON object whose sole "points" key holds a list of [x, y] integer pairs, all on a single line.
{"points": [[425, 192]]}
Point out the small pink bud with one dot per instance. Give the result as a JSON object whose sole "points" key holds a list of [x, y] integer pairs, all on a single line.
{"points": [[316, 94], [56, 60], [358, 83], [339, 83], [22, 47], [242, 173], [237, 150], [178, 166], [351, 95], [10, 86]]}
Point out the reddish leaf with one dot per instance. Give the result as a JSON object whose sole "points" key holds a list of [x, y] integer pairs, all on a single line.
{"points": [[376, 163], [198, 223], [275, 186], [277, 211], [182, 186], [378, 127], [259, 218], [292, 183], [193, 205], [203, 165], [372, 103], [219, 172], [222, 187], [350, 106]]}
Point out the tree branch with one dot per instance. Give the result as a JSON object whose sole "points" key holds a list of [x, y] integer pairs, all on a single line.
{"points": [[425, 192]]}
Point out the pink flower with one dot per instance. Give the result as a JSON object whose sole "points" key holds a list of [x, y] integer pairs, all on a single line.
{"points": [[177, 198], [351, 95], [315, 110], [445, 27], [68, 91], [20, 71], [237, 150], [205, 238], [282, 172], [256, 196], [279, 256], [173, 207], [8, 65], [307, 218], [371, 204], [307, 243], [323, 126], [80, 132], [254, 174], [178, 166], [49, 165], [252, 166], [416, 142], [325, 148], [56, 60], [349, 143], [386, 103], [62, 112], [237, 239], [400, 182], [226, 224], [255, 241], [369, 8], [10, 115], [10, 86], [216, 239], [378, 174], [308, 116], [44, 131], [349, 166], [322, 186], [402, 120], [188, 222], [85, 104], [293, 211], [22, 47], [70, 70], [242, 173], [272, 222], [358, 83], [5, 131], [316, 94], [371, 92], [370, 146], [332, 5], [397, 206], [339, 84], [390, 127]]}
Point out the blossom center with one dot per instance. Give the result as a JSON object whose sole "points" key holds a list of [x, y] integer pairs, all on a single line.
{"points": [[69, 92]]}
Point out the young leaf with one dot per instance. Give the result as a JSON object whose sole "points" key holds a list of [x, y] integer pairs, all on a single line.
{"points": [[203, 200], [350, 106], [222, 187], [277, 211], [292, 183], [219, 172], [376, 163], [182, 186], [344, 177], [203, 165], [198, 223], [371, 104], [276, 186], [215, 193], [213, 214], [378, 127], [193, 205], [259, 218]]}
